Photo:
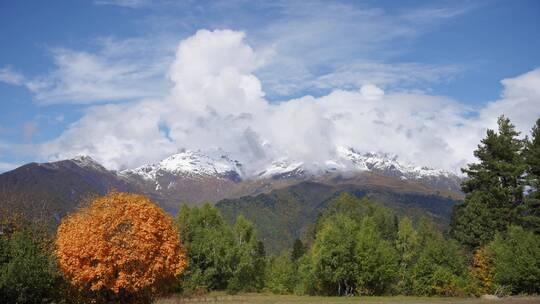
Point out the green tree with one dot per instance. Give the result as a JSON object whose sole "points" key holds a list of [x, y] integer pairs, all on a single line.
{"points": [[210, 245], [376, 260], [407, 243], [220, 256], [306, 276], [494, 187], [333, 255], [386, 221], [281, 274], [439, 265], [532, 151], [531, 208], [248, 261], [28, 271], [473, 223], [298, 250], [516, 258]]}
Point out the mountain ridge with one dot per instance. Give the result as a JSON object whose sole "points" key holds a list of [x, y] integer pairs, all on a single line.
{"points": [[197, 164], [194, 177]]}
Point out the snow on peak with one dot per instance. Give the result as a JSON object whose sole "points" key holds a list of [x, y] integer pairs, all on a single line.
{"points": [[386, 163], [190, 163], [87, 162], [196, 164], [282, 167], [349, 160]]}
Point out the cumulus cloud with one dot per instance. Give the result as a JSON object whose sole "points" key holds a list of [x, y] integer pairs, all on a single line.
{"points": [[216, 101]]}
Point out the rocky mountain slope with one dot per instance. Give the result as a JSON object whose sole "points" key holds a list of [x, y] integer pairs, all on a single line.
{"points": [[194, 177], [56, 188]]}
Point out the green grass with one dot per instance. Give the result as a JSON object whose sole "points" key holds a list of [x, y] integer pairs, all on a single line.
{"points": [[261, 298]]}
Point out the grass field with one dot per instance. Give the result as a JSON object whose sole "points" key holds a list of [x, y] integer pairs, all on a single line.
{"points": [[279, 299]]}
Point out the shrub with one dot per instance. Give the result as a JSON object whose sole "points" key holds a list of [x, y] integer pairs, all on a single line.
{"points": [[439, 266], [28, 273], [281, 274], [516, 260]]}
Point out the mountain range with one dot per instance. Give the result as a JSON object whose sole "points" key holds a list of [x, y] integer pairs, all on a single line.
{"points": [[191, 177]]}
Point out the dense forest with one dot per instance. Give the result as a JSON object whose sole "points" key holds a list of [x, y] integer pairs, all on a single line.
{"points": [[355, 246]]}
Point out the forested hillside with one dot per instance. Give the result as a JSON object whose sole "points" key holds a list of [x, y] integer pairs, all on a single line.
{"points": [[284, 215]]}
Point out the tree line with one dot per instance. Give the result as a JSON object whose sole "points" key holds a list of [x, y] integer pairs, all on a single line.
{"points": [[123, 248], [358, 247]]}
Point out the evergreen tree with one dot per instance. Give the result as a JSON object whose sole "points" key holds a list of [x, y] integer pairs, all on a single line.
{"points": [[532, 151], [494, 188], [28, 272], [298, 250], [531, 208]]}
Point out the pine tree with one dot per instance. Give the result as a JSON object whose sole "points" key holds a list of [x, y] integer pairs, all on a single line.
{"points": [[494, 188], [531, 214], [298, 250]]}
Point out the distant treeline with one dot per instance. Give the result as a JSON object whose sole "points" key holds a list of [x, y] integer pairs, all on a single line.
{"points": [[355, 247]]}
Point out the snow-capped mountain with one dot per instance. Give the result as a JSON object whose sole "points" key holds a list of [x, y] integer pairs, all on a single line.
{"points": [[193, 177], [217, 165], [347, 160], [190, 164], [188, 176]]}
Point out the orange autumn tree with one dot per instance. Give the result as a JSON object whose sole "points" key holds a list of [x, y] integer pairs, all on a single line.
{"points": [[121, 248], [482, 269]]}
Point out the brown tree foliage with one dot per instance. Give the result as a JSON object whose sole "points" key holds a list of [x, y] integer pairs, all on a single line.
{"points": [[122, 244], [482, 269]]}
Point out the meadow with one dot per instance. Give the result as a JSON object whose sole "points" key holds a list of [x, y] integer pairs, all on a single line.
{"points": [[264, 298]]}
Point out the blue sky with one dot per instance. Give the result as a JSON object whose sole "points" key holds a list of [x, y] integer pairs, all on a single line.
{"points": [[59, 59]]}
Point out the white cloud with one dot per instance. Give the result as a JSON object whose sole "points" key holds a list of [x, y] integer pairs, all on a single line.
{"points": [[217, 101], [319, 45], [371, 92], [120, 70], [4, 167], [306, 46], [118, 135], [520, 101], [7, 75]]}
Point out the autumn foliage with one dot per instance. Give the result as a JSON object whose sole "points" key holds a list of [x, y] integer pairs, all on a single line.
{"points": [[482, 269], [121, 246]]}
